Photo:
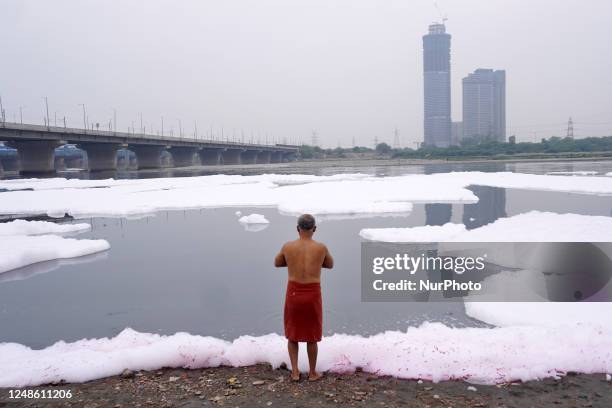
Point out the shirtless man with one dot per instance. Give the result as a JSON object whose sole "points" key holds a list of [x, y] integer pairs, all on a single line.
{"points": [[303, 315]]}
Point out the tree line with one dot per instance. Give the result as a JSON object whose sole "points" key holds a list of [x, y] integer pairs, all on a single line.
{"points": [[468, 148]]}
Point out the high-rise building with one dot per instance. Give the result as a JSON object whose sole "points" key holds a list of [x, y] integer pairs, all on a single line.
{"points": [[437, 86], [484, 105]]}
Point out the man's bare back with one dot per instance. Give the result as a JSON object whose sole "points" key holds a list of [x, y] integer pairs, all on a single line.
{"points": [[304, 259]]}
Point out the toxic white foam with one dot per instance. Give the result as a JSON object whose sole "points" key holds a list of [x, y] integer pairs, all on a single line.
{"points": [[534, 226], [432, 352], [293, 194], [573, 173], [23, 227], [253, 219], [24, 243]]}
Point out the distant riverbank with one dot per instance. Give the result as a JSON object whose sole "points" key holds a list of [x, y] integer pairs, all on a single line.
{"points": [[376, 162]]}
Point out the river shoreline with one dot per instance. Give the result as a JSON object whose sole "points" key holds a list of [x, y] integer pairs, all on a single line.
{"points": [[309, 166], [262, 386]]}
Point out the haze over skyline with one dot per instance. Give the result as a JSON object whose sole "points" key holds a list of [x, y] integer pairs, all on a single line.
{"points": [[348, 69]]}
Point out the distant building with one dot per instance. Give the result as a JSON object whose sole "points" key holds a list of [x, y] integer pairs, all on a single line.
{"points": [[484, 105], [437, 86], [456, 133]]}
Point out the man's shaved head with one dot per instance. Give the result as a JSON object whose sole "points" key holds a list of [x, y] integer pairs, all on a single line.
{"points": [[306, 222]]}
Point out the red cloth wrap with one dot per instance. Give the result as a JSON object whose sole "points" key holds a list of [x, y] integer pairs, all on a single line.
{"points": [[303, 312]]}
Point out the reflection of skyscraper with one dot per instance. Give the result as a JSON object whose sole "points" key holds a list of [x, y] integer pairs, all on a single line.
{"points": [[491, 205], [438, 214], [436, 66], [484, 105]]}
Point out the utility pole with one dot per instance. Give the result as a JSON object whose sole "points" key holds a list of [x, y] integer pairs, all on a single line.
{"points": [[115, 120], [195, 125], [47, 107], [396, 139], [1, 110], [84, 117], [141, 128], [162, 129], [570, 128], [315, 138], [21, 114], [180, 129]]}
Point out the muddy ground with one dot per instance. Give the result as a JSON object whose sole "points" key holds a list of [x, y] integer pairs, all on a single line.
{"points": [[261, 386]]}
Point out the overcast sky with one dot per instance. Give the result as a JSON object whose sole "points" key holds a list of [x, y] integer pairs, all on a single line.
{"points": [[350, 69]]}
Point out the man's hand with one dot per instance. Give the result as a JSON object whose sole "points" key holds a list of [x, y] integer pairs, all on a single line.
{"points": [[328, 261], [279, 260]]}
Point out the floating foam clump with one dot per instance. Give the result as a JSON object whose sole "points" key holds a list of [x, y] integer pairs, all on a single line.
{"points": [[253, 219], [573, 173], [292, 194], [24, 243], [23, 227], [534, 226]]}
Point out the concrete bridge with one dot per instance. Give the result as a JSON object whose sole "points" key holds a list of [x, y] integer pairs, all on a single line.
{"points": [[36, 145]]}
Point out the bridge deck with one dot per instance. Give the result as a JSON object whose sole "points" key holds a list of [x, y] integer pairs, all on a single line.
{"points": [[26, 132]]}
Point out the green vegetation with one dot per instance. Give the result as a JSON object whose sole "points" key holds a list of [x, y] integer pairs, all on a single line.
{"points": [[470, 149]]}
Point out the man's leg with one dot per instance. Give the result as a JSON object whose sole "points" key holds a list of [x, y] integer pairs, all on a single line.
{"points": [[294, 348], [313, 350]]}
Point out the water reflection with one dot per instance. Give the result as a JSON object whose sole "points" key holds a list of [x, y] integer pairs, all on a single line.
{"points": [[49, 266], [491, 205], [438, 214]]}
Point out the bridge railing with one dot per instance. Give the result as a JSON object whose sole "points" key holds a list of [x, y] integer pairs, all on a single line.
{"points": [[137, 136]]}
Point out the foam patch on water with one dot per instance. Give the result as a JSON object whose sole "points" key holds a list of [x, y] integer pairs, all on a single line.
{"points": [[534, 226], [291, 194], [431, 352], [25, 243], [573, 173], [253, 219], [543, 314], [23, 227]]}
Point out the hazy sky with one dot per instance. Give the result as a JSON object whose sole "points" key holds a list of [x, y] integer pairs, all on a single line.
{"points": [[350, 69]]}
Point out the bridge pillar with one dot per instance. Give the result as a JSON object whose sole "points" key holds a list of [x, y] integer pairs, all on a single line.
{"points": [[73, 162], [36, 156], [232, 156], [10, 163], [276, 157], [250, 156], [210, 156], [264, 157], [148, 156], [289, 157], [182, 156], [101, 156], [59, 163]]}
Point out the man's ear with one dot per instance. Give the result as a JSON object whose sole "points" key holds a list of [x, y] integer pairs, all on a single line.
{"points": [[298, 229], [314, 228]]}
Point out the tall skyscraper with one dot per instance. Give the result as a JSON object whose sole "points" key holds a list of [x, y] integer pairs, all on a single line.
{"points": [[484, 105], [436, 65]]}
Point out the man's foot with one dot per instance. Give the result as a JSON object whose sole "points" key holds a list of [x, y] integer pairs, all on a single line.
{"points": [[295, 377], [315, 376]]}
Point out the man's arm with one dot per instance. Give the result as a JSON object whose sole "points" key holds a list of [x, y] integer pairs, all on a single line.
{"points": [[328, 261], [279, 260]]}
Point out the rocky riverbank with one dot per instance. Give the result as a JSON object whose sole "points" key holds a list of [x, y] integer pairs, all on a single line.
{"points": [[261, 386]]}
